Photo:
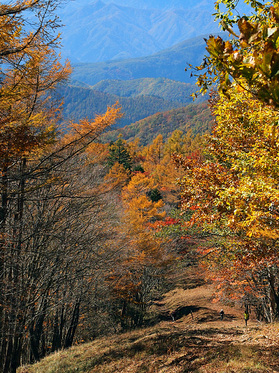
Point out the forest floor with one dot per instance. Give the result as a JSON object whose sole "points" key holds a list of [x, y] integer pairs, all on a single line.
{"points": [[194, 340]]}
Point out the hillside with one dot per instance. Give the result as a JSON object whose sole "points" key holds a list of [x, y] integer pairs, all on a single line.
{"points": [[194, 117], [85, 102], [170, 63], [195, 341], [167, 89]]}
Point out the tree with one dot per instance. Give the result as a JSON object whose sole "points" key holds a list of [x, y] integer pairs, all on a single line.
{"points": [[119, 152], [61, 210], [154, 152], [234, 190], [49, 213], [158, 163], [29, 68], [175, 143], [136, 277], [154, 195]]}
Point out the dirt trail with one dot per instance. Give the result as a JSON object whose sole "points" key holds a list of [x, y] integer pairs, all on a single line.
{"points": [[181, 342], [204, 343]]}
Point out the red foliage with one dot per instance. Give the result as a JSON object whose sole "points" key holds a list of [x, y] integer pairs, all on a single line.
{"points": [[157, 225]]}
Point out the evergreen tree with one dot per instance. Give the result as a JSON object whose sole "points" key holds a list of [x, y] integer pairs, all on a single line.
{"points": [[118, 152]]}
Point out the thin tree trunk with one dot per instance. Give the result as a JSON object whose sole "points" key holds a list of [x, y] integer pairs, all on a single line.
{"points": [[73, 326]]}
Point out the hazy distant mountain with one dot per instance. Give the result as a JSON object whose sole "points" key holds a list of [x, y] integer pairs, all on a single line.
{"points": [[112, 30], [169, 63]]}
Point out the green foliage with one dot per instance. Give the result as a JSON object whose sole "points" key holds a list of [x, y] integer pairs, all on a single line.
{"points": [[118, 152], [154, 195], [138, 168]]}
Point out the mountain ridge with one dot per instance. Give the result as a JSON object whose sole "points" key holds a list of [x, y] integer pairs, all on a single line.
{"points": [[104, 30], [169, 63], [158, 87]]}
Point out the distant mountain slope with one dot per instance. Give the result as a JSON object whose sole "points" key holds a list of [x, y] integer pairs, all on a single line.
{"points": [[82, 102], [109, 30], [167, 89], [194, 117], [169, 63]]}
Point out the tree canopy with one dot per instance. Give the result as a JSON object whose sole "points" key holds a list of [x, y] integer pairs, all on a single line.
{"points": [[233, 189]]}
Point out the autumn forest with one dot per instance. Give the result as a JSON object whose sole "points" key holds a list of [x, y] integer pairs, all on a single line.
{"points": [[92, 230]]}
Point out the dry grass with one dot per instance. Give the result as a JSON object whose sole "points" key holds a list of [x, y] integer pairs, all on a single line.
{"points": [[196, 342], [172, 348]]}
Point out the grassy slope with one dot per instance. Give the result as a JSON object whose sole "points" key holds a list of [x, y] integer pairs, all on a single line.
{"points": [[192, 343]]}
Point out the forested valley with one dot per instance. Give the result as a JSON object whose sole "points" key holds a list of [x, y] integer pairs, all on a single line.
{"points": [[94, 226]]}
